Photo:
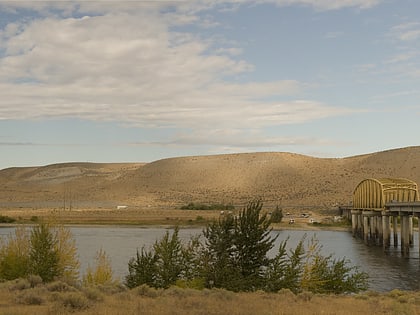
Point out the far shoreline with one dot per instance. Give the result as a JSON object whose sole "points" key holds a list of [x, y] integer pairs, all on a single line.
{"points": [[152, 218]]}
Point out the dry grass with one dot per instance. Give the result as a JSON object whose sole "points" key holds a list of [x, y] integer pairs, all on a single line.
{"points": [[144, 300]]}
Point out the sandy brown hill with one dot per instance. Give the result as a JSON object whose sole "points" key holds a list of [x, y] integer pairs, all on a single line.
{"points": [[279, 178]]}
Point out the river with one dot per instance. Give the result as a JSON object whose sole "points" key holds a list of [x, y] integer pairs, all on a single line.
{"points": [[387, 271]]}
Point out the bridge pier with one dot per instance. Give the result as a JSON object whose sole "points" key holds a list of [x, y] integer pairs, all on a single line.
{"points": [[357, 223], [395, 229], [354, 223], [360, 224], [411, 230], [386, 230], [379, 221], [375, 227], [405, 234]]}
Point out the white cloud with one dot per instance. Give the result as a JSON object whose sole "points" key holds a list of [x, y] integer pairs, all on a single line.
{"points": [[333, 35], [237, 138], [132, 68], [406, 32], [104, 6], [329, 4], [402, 57]]}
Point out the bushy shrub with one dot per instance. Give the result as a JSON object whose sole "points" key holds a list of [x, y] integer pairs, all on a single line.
{"points": [[145, 290], [277, 215], [46, 251], [14, 255], [19, 285], [93, 294], [75, 301], [68, 262], [6, 219], [59, 286], [34, 280], [31, 297], [102, 273], [161, 266], [196, 283]]}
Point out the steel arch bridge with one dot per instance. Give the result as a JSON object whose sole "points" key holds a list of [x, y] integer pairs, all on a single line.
{"points": [[374, 194]]}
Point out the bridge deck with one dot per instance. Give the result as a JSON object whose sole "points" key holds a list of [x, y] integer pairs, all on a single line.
{"points": [[410, 207]]}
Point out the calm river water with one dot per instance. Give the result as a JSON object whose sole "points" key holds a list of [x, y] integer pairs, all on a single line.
{"points": [[387, 271]]}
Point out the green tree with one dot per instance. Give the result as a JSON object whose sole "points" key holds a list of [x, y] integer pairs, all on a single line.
{"points": [[252, 244], [48, 249], [219, 266], [44, 255], [236, 249], [142, 269], [324, 274], [284, 270], [162, 265], [234, 256], [277, 215], [169, 259], [306, 269]]}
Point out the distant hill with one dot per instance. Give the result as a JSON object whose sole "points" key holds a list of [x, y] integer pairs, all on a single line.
{"points": [[286, 179]]}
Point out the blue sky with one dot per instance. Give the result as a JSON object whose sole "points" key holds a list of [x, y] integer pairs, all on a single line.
{"points": [[137, 81]]}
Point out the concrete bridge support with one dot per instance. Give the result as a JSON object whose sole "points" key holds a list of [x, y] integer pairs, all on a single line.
{"points": [[376, 228], [379, 221], [395, 229], [354, 223], [411, 230], [405, 234], [386, 230], [366, 229]]}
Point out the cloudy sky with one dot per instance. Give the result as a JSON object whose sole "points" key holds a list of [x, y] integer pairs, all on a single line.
{"points": [[137, 81]]}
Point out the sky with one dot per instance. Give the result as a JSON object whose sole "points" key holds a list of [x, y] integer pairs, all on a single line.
{"points": [[139, 81]]}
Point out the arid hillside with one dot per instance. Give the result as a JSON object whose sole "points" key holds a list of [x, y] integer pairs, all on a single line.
{"points": [[278, 178]]}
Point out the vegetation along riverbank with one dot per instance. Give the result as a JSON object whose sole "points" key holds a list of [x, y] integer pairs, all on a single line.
{"points": [[39, 268]]}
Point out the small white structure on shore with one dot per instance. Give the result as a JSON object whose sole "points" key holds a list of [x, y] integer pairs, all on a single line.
{"points": [[121, 207]]}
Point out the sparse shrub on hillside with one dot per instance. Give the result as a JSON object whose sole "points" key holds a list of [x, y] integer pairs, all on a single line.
{"points": [[213, 206]]}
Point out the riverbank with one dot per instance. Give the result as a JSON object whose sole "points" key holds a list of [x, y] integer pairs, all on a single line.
{"points": [[162, 217], [18, 297]]}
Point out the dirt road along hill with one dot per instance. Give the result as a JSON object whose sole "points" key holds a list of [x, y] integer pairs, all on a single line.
{"points": [[286, 179]]}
